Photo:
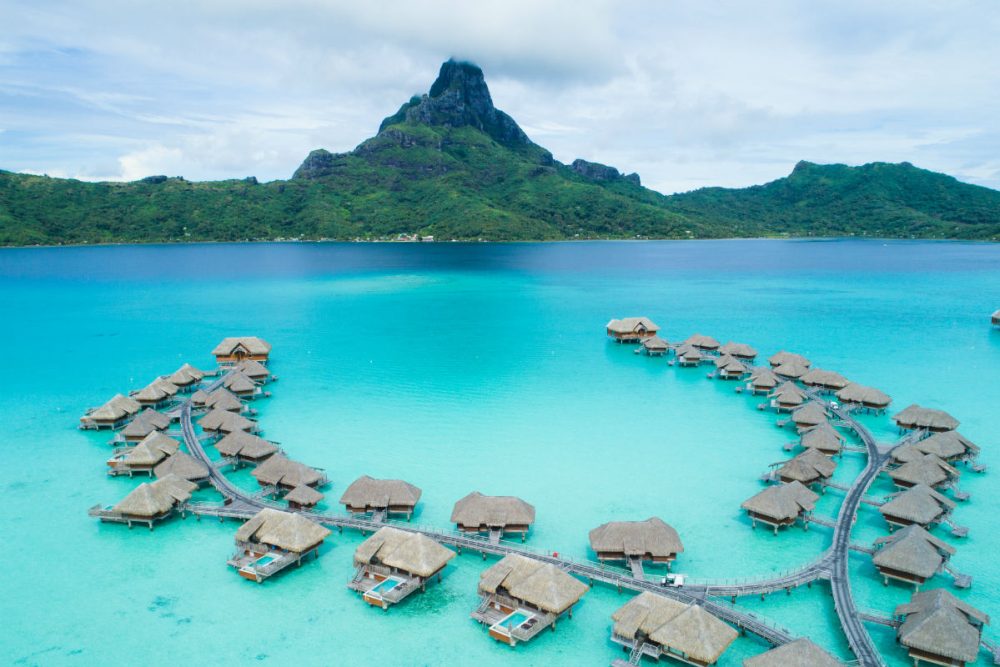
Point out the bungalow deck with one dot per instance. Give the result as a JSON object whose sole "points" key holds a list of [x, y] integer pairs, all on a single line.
{"points": [[369, 580], [494, 609], [258, 562], [108, 515]]}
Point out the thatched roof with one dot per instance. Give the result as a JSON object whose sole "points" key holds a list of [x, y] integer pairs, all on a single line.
{"points": [[367, 491], [791, 370], [251, 344], [939, 623], [739, 350], [284, 530], [247, 445], [253, 369], [905, 453], [928, 469], [151, 499], [644, 613], [118, 407], [996, 317], [703, 342], [146, 422], [223, 399], [653, 536], [799, 653], [199, 397], [919, 504], [225, 421], [476, 509], [808, 467], [918, 417], [867, 396], [537, 583], [183, 466], [628, 325], [817, 377], [823, 437], [151, 450], [763, 377], [947, 445], [810, 414], [913, 550], [411, 552], [783, 357], [655, 343], [695, 633], [789, 393], [185, 375], [782, 501], [688, 352], [239, 382], [304, 495], [157, 390], [279, 469], [733, 366]]}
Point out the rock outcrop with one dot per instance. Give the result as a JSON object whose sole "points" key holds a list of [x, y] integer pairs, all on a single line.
{"points": [[595, 171]]}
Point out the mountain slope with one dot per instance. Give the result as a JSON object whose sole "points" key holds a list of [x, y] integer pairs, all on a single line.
{"points": [[450, 164]]}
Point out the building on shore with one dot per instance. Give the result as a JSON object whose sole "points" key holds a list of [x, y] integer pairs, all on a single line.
{"points": [[281, 472], [631, 329], [655, 346], [808, 468], [236, 349], [495, 516], [381, 497], [186, 378], [522, 596], [824, 438], [273, 540], [781, 505], [925, 469], [393, 563], [859, 396], [799, 653], [156, 393], [242, 447], [636, 542], [938, 628], [762, 380], [219, 422], [911, 555], [824, 380], [144, 456], [658, 626], [113, 414], [916, 417], [148, 503], [184, 466], [740, 351], [146, 422], [920, 505], [781, 358]]}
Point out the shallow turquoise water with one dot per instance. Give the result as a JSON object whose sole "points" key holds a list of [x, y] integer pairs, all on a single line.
{"points": [[460, 368]]}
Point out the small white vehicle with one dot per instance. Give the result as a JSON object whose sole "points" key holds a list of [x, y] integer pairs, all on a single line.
{"points": [[673, 580]]}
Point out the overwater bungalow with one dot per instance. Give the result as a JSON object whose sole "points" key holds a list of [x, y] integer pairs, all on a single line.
{"points": [[781, 358], [632, 329], [381, 497], [911, 555], [762, 380], [949, 446], [148, 503], [245, 447], [281, 472], [741, 351], [274, 540], [811, 414], [688, 355], [303, 497], [920, 505], [790, 370], [393, 563], [995, 319], [113, 414], [859, 396], [823, 438], [156, 393], [810, 467], [635, 542], [198, 398], [240, 384], [730, 368], [146, 422], [221, 422], [928, 469], [703, 342], [780, 505], [916, 417], [906, 453], [787, 397], [493, 515], [662, 627], [236, 349], [522, 596], [825, 380], [186, 377], [938, 628], [221, 399], [184, 466], [799, 653], [655, 346], [254, 370], [144, 456]]}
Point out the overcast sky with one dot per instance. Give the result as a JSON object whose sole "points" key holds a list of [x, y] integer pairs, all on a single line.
{"points": [[687, 94]]}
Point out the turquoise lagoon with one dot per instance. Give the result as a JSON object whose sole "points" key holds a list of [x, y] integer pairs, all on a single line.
{"points": [[459, 368]]}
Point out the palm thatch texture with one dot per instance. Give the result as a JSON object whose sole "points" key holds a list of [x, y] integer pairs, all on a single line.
{"points": [[791, 370], [741, 351], [532, 583], [631, 329], [811, 414], [926, 469], [478, 513], [254, 370], [730, 367], [282, 530], [652, 540], [152, 500], [866, 397], [654, 345], [240, 384], [824, 379], [238, 348], [678, 629], [303, 496], [245, 446], [948, 446], [688, 355], [937, 625], [223, 399], [279, 470], [799, 653], [367, 494], [780, 505], [184, 466], [762, 379], [911, 554], [916, 417], [144, 423], [703, 342], [919, 505], [824, 438], [151, 450], [809, 467], [186, 376], [788, 396], [117, 409], [157, 391], [781, 358], [410, 553], [223, 421]]}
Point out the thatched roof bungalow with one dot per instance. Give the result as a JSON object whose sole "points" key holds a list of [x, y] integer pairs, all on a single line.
{"points": [[655, 346], [254, 370], [730, 368], [790, 370], [184, 466], [303, 497], [821, 379], [186, 377], [920, 505], [240, 384], [916, 417], [783, 357], [823, 438], [928, 469], [651, 540], [912, 555], [787, 397], [995, 319], [223, 399], [811, 414], [385, 496], [273, 540], [146, 422], [684, 632], [112, 414], [863, 396], [940, 629], [741, 351], [631, 329], [762, 380], [235, 349], [245, 447], [688, 355], [476, 513], [157, 392], [799, 653], [810, 467], [393, 563], [780, 505], [144, 456], [948, 446], [153, 501], [703, 342], [223, 421], [280, 471]]}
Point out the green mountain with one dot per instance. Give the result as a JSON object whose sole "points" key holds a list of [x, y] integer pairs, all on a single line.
{"points": [[451, 165]]}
